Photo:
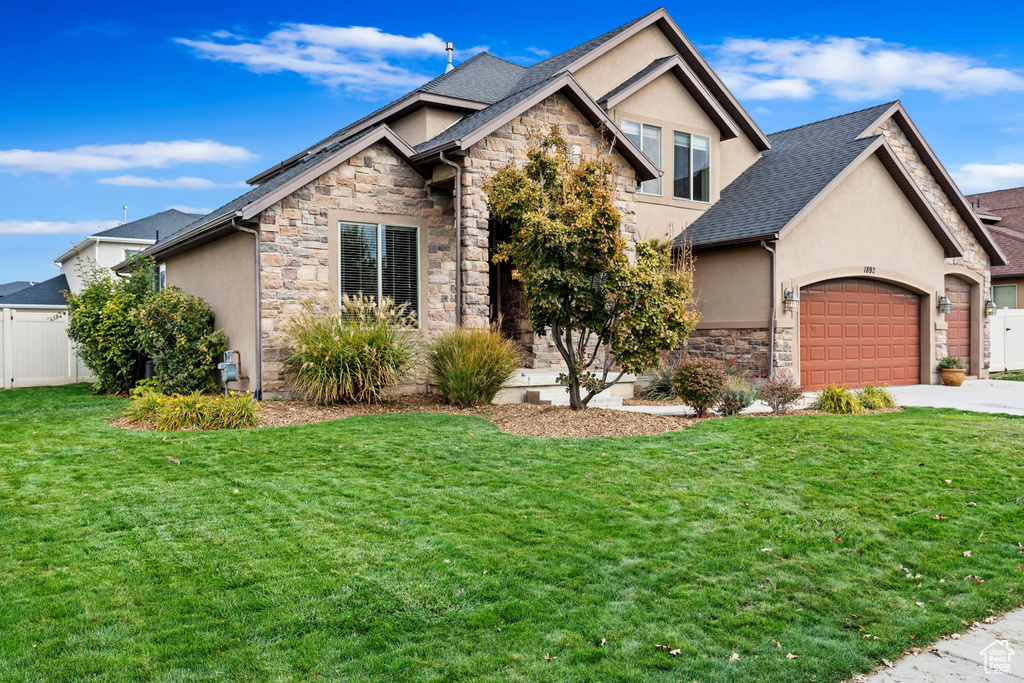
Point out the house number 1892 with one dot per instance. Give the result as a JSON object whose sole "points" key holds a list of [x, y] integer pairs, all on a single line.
{"points": [[869, 269]]}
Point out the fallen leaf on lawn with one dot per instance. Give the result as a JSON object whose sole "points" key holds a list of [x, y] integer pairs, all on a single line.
{"points": [[603, 643], [955, 636], [766, 550], [498, 629], [777, 643], [989, 620], [916, 650], [948, 481], [888, 664], [939, 517], [919, 604], [548, 657], [173, 459], [973, 505], [674, 652], [790, 655], [837, 539], [735, 657], [235, 491], [967, 553]]}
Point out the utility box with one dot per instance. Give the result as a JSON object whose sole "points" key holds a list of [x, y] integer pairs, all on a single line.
{"points": [[228, 368]]}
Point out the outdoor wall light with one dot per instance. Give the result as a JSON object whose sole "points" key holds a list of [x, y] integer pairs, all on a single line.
{"points": [[515, 274], [945, 305], [790, 303], [990, 307]]}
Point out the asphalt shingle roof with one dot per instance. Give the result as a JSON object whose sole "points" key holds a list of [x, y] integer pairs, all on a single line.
{"points": [[47, 293], [269, 186], [642, 73], [801, 162], [1008, 233], [12, 287], [146, 228]]}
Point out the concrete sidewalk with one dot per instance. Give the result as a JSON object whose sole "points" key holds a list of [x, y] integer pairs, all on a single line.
{"points": [[969, 656]]}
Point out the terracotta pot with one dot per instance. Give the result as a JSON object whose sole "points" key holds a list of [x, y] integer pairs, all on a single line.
{"points": [[952, 378]]}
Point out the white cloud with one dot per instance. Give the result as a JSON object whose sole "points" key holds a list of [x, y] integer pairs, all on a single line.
{"points": [[185, 182], [539, 51], [19, 227], [988, 177], [118, 157], [189, 209], [360, 58], [852, 69]]}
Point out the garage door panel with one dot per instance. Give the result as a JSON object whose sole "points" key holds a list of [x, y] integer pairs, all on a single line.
{"points": [[857, 331]]}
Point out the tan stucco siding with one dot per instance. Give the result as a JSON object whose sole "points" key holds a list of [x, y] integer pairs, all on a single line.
{"points": [[221, 272], [665, 103], [622, 61], [424, 123], [732, 287]]}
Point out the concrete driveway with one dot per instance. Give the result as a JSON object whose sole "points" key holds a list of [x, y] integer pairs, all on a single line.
{"points": [[979, 395]]}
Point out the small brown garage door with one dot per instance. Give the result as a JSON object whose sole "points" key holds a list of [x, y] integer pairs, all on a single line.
{"points": [[958, 334], [855, 331]]}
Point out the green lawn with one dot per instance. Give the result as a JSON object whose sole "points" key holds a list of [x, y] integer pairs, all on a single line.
{"points": [[436, 548], [1011, 375]]}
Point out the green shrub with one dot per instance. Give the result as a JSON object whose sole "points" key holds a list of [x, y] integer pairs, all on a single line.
{"points": [[349, 353], [835, 398], [782, 394], [658, 387], [740, 394], [176, 330], [952, 363], [102, 323], [700, 383], [469, 366], [875, 398]]}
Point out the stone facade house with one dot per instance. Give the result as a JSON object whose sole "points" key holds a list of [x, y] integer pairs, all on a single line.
{"points": [[851, 213]]}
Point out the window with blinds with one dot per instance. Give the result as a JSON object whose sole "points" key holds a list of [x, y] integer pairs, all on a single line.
{"points": [[380, 261]]}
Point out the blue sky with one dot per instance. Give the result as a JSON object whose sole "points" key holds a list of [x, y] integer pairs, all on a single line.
{"points": [[155, 105]]}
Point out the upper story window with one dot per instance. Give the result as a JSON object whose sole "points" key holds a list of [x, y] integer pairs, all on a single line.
{"points": [[378, 261], [131, 253], [648, 139], [691, 176]]}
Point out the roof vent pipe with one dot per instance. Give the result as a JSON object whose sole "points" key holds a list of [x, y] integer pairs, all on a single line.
{"points": [[449, 48]]}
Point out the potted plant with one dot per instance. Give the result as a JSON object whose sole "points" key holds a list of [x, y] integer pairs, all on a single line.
{"points": [[952, 371]]}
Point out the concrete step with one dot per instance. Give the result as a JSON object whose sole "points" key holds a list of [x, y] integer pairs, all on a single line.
{"points": [[558, 396]]}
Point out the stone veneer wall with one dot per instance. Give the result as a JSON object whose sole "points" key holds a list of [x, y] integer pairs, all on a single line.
{"points": [[749, 346], [293, 233], [511, 143], [975, 256]]}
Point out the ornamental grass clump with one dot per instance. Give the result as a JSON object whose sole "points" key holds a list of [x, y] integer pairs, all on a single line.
{"points": [[740, 394], [658, 387], [875, 398], [350, 352], [701, 383], [144, 402], [469, 366], [835, 398], [202, 411]]}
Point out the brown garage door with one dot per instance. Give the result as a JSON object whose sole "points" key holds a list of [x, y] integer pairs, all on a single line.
{"points": [[855, 331], [958, 335]]}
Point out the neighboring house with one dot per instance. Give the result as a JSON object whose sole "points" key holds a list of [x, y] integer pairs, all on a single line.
{"points": [[12, 287], [110, 247], [853, 219], [1003, 213]]}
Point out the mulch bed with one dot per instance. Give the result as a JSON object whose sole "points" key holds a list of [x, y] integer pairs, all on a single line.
{"points": [[519, 418]]}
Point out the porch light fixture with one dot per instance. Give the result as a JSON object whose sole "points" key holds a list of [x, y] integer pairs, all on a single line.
{"points": [[945, 305], [790, 302], [990, 307], [515, 274]]}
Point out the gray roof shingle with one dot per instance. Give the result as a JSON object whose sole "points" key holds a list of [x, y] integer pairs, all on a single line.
{"points": [[12, 287], [146, 228], [47, 293], [642, 73], [765, 197]]}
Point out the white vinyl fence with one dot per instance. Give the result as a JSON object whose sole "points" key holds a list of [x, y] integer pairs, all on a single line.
{"points": [[35, 349], [1007, 332]]}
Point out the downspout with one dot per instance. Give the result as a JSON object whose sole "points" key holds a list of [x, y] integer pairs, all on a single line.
{"points": [[457, 193], [259, 312], [771, 309]]}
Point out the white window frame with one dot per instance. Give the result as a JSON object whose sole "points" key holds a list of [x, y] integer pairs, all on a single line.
{"points": [[161, 277], [1016, 294], [128, 250], [661, 145], [379, 295], [690, 174]]}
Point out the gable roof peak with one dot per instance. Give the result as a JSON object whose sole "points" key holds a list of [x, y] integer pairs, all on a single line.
{"points": [[881, 108]]}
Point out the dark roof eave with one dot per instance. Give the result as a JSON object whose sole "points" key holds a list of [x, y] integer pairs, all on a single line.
{"points": [[198, 236], [751, 241]]}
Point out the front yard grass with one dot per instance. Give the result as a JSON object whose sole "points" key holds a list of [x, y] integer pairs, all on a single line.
{"points": [[1011, 375], [436, 548]]}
